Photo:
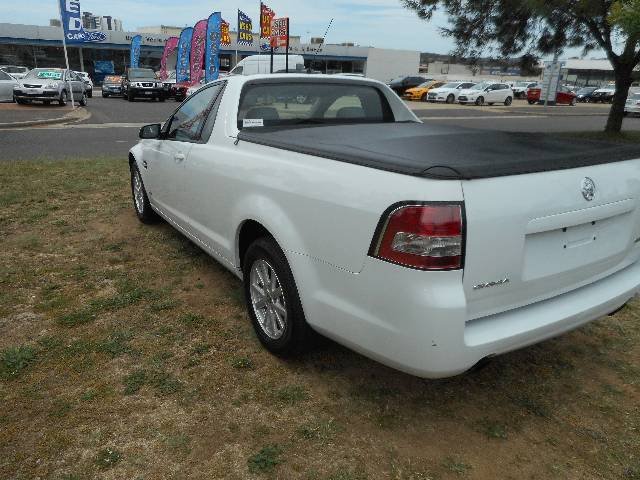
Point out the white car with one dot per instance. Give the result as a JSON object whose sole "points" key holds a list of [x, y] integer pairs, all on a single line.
{"points": [[487, 92], [632, 104], [337, 222], [87, 81], [520, 89], [15, 71], [448, 93], [7, 84], [604, 94]]}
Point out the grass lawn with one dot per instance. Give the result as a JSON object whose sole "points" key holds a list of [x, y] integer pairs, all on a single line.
{"points": [[126, 353]]}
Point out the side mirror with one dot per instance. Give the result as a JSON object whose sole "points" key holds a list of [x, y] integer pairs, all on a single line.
{"points": [[150, 131]]}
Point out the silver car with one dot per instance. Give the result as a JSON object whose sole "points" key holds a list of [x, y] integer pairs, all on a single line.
{"points": [[7, 82], [15, 71], [51, 85]]}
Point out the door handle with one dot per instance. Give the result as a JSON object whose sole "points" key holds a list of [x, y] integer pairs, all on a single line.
{"points": [[179, 157]]}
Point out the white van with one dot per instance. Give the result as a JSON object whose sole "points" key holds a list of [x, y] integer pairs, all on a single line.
{"points": [[262, 64]]}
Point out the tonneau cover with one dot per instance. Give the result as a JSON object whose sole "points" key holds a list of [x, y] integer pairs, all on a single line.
{"points": [[441, 152]]}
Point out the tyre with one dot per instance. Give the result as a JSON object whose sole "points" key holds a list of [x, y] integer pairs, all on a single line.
{"points": [[531, 102], [451, 98], [626, 114], [130, 97], [83, 100], [161, 98], [508, 101], [272, 299], [141, 203], [480, 101], [47, 102], [490, 104], [573, 102], [105, 95], [90, 94], [64, 97], [424, 97]]}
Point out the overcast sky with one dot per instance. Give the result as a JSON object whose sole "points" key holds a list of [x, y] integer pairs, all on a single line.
{"points": [[377, 23]]}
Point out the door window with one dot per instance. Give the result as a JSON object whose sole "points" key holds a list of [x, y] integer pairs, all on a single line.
{"points": [[5, 76], [186, 124]]}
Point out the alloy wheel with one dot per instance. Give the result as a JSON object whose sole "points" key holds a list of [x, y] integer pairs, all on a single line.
{"points": [[267, 299], [138, 192]]}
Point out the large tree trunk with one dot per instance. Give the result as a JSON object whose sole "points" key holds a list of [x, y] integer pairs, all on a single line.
{"points": [[616, 114]]}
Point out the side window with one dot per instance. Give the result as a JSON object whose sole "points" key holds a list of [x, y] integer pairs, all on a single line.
{"points": [[187, 123], [5, 76]]}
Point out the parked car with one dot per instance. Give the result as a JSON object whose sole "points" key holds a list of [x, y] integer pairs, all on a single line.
{"points": [[7, 84], [255, 64], [564, 96], [112, 85], [632, 105], [449, 92], [51, 85], [520, 89], [169, 84], [487, 92], [88, 82], [420, 92], [180, 90], [142, 82], [584, 94], [603, 95], [459, 255], [402, 84], [15, 71]]}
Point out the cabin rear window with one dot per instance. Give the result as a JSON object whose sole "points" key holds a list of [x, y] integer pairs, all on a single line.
{"points": [[308, 103]]}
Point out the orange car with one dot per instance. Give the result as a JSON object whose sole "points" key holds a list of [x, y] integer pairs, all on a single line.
{"points": [[420, 92]]}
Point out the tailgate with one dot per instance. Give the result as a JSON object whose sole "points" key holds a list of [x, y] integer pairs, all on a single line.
{"points": [[531, 237]]}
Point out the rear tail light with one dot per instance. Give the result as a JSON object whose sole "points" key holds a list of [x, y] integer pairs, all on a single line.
{"points": [[425, 237]]}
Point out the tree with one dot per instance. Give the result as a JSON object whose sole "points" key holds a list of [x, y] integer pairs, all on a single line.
{"points": [[531, 28]]}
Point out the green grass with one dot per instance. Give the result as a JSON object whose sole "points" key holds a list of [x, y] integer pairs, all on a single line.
{"points": [[14, 360], [266, 460], [130, 354]]}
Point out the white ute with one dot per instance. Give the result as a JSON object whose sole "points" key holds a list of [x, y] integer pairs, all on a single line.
{"points": [[347, 216]]}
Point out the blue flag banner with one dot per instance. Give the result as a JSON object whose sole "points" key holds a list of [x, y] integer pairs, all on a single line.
{"points": [[184, 51], [135, 51], [212, 47], [245, 29], [72, 24]]}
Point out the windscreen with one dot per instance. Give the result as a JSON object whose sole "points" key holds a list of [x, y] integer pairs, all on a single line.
{"points": [[137, 73], [113, 79], [45, 74], [310, 103], [450, 85]]}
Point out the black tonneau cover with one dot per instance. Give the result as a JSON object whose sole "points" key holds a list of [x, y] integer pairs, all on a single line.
{"points": [[440, 152]]}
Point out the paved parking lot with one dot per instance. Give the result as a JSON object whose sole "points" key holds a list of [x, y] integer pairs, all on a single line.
{"points": [[112, 125]]}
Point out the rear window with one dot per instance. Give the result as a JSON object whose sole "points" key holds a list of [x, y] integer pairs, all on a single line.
{"points": [[309, 103]]}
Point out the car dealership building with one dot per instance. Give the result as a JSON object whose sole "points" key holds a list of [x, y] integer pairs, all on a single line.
{"points": [[41, 46]]}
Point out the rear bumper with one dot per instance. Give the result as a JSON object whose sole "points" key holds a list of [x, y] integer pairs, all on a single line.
{"points": [[417, 322]]}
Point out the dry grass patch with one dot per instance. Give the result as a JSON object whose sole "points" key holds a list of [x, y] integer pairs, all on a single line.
{"points": [[125, 352]]}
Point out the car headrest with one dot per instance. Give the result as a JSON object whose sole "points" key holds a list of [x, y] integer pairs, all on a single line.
{"points": [[265, 113], [350, 112]]}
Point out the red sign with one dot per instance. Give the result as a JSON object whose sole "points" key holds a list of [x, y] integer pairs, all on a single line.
{"points": [[280, 32], [225, 38], [266, 15]]}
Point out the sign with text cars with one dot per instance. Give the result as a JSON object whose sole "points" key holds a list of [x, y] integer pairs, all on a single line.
{"points": [[197, 50], [280, 32], [184, 50], [72, 24], [169, 48], [134, 53], [245, 29], [212, 48], [266, 15]]}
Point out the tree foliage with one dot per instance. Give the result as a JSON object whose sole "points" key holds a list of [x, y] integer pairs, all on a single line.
{"points": [[534, 28]]}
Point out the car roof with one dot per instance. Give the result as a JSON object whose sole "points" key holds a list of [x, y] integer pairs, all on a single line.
{"points": [[301, 76]]}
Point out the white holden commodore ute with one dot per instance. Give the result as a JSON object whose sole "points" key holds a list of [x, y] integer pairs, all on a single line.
{"points": [[426, 248]]}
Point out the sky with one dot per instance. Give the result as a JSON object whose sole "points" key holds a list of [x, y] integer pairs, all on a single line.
{"points": [[378, 23]]}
